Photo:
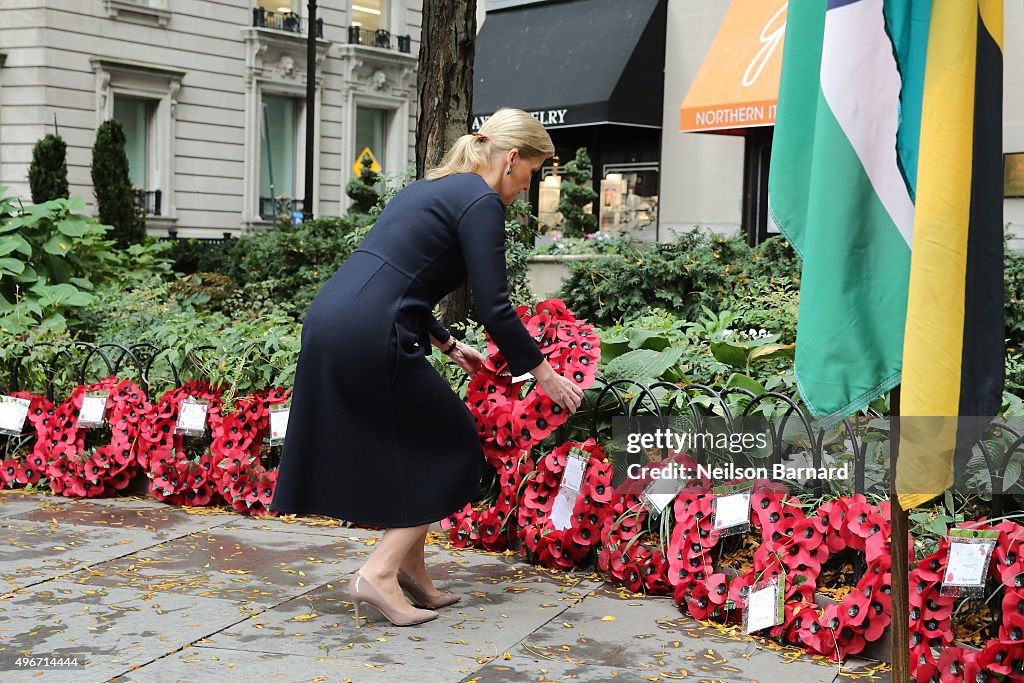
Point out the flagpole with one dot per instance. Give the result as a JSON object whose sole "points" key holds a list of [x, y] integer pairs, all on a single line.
{"points": [[900, 539]]}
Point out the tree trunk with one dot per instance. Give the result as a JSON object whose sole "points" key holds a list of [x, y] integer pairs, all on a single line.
{"points": [[445, 91]]}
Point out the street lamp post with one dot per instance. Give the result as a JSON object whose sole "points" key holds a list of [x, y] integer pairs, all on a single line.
{"points": [[307, 199]]}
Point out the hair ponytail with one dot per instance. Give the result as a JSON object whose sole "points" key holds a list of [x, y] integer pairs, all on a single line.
{"points": [[506, 129]]}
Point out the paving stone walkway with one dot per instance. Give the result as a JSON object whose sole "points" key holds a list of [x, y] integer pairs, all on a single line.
{"points": [[140, 591]]}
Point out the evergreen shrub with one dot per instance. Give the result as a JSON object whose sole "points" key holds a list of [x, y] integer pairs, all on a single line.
{"points": [[48, 172], [112, 186]]}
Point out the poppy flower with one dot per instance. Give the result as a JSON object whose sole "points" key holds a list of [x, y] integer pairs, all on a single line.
{"points": [[632, 577], [932, 567], [28, 474], [951, 663], [975, 672], [718, 589], [816, 636], [699, 604], [8, 471], [926, 671], [999, 657], [1012, 627], [656, 573]]}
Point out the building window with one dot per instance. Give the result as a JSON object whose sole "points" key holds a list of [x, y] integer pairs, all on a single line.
{"points": [[143, 99], [135, 116], [280, 6], [141, 11], [278, 157], [283, 15], [370, 15], [371, 133]]}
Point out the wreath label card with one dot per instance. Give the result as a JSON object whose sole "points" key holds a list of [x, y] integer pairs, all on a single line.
{"points": [[970, 551], [13, 413], [192, 417], [94, 405], [279, 423], [660, 493], [570, 487], [765, 604], [730, 512]]}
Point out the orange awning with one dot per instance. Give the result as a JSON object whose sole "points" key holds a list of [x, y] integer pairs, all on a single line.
{"points": [[738, 83]]}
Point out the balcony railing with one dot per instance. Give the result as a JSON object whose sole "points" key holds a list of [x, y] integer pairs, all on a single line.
{"points": [[278, 208], [379, 38], [148, 201], [284, 21]]}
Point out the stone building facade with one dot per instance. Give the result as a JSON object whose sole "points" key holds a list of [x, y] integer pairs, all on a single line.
{"points": [[212, 97]]}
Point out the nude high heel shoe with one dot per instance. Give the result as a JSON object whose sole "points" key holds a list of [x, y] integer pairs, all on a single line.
{"points": [[419, 595], [361, 590]]}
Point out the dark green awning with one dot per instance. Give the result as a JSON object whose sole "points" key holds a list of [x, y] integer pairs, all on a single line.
{"points": [[573, 63]]}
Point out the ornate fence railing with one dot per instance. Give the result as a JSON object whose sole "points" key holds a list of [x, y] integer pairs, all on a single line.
{"points": [[609, 407]]}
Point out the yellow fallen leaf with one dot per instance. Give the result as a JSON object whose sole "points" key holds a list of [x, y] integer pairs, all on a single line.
{"points": [[608, 618], [305, 617], [506, 656]]}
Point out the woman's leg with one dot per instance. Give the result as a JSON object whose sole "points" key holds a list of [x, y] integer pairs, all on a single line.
{"points": [[381, 568], [414, 565]]}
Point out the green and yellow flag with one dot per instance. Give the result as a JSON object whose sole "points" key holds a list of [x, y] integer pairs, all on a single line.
{"points": [[953, 353], [886, 178]]}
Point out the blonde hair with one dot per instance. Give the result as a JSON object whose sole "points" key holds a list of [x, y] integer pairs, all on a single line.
{"points": [[506, 129]]}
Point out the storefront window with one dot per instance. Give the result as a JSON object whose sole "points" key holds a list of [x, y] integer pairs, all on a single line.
{"points": [[370, 15], [629, 200]]}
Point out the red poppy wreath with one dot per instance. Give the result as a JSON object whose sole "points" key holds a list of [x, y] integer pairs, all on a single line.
{"points": [[634, 552], [180, 467], [509, 424], [562, 544], [861, 617], [244, 466], [25, 464], [509, 421], [931, 617], [492, 527], [799, 545], [631, 553], [77, 467]]}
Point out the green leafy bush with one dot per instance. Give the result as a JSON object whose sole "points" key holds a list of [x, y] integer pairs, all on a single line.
{"points": [[114, 199], [700, 269], [291, 262], [48, 172], [200, 256], [47, 255], [1013, 297]]}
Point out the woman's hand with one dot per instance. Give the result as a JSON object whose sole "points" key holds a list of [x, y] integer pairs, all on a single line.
{"points": [[467, 358], [562, 391]]}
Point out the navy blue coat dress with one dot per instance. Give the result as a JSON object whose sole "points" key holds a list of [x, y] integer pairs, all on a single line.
{"points": [[375, 436]]}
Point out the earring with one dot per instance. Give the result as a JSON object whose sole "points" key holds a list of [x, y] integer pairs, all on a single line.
{"points": [[508, 170]]}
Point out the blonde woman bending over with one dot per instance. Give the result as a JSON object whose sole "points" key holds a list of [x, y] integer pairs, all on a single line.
{"points": [[376, 436]]}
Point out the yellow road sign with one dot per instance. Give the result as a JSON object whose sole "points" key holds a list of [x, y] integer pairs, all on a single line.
{"points": [[365, 155]]}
